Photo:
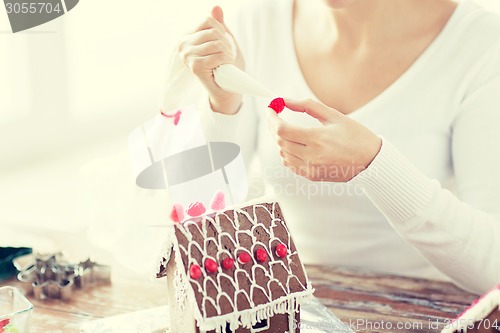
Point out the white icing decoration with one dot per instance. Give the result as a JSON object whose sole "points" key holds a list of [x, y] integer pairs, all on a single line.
{"points": [[166, 250], [227, 236], [248, 317], [279, 284], [291, 319], [181, 287], [475, 313]]}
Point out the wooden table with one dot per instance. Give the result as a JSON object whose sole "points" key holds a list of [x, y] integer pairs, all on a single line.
{"points": [[367, 301]]}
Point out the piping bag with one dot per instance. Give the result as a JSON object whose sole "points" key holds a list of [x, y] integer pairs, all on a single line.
{"points": [[232, 79], [171, 151]]}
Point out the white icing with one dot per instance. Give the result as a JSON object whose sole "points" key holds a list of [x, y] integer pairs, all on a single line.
{"points": [[249, 317], [291, 321], [166, 250], [475, 313], [190, 291], [279, 284], [226, 236], [180, 284]]}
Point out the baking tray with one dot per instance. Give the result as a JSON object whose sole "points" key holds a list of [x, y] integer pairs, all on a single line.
{"points": [[315, 318]]}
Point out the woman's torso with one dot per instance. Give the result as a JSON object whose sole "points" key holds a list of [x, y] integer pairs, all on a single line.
{"points": [[336, 223]]}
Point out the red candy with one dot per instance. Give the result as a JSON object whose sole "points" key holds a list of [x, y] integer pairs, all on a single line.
{"points": [[281, 250], [228, 263], [195, 271], [261, 255], [211, 266], [219, 201], [243, 258], [196, 209], [3, 323], [177, 214], [277, 104]]}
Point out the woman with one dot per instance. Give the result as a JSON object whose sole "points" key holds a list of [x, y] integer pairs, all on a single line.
{"points": [[395, 169]]}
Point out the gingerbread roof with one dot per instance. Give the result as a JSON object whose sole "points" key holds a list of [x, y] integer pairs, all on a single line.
{"points": [[479, 310], [267, 280]]}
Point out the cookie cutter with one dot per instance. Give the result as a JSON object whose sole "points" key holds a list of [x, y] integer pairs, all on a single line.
{"points": [[51, 276]]}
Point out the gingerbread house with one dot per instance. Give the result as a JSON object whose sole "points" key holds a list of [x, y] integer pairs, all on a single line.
{"points": [[483, 316], [235, 271]]}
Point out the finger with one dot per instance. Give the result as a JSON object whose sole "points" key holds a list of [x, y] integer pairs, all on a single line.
{"points": [[218, 15], [286, 131], [315, 109], [206, 64], [293, 162], [293, 148], [211, 23], [298, 169], [291, 159], [206, 49], [201, 37]]}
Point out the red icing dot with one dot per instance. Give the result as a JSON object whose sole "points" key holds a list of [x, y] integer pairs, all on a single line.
{"points": [[177, 213], [211, 266], [243, 258], [195, 271], [281, 250], [277, 104], [196, 209], [261, 255], [176, 116], [228, 263]]}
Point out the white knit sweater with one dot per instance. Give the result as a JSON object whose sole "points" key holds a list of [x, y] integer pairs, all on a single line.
{"points": [[429, 204]]}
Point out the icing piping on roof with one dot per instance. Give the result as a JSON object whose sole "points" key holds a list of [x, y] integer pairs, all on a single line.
{"points": [[275, 296]]}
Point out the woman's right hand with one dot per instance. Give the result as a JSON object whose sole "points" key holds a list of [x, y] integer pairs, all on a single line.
{"points": [[207, 48]]}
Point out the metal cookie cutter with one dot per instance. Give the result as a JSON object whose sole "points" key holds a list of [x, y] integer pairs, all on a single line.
{"points": [[51, 276]]}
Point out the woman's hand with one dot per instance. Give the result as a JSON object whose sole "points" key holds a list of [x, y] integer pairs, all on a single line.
{"points": [[207, 48], [334, 152]]}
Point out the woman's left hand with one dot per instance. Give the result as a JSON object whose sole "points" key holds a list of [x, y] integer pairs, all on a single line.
{"points": [[334, 152]]}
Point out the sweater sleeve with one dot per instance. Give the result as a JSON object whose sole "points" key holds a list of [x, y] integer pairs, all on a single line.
{"points": [[240, 128], [460, 237]]}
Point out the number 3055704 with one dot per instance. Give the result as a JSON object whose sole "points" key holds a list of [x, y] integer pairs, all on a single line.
{"points": [[32, 8]]}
